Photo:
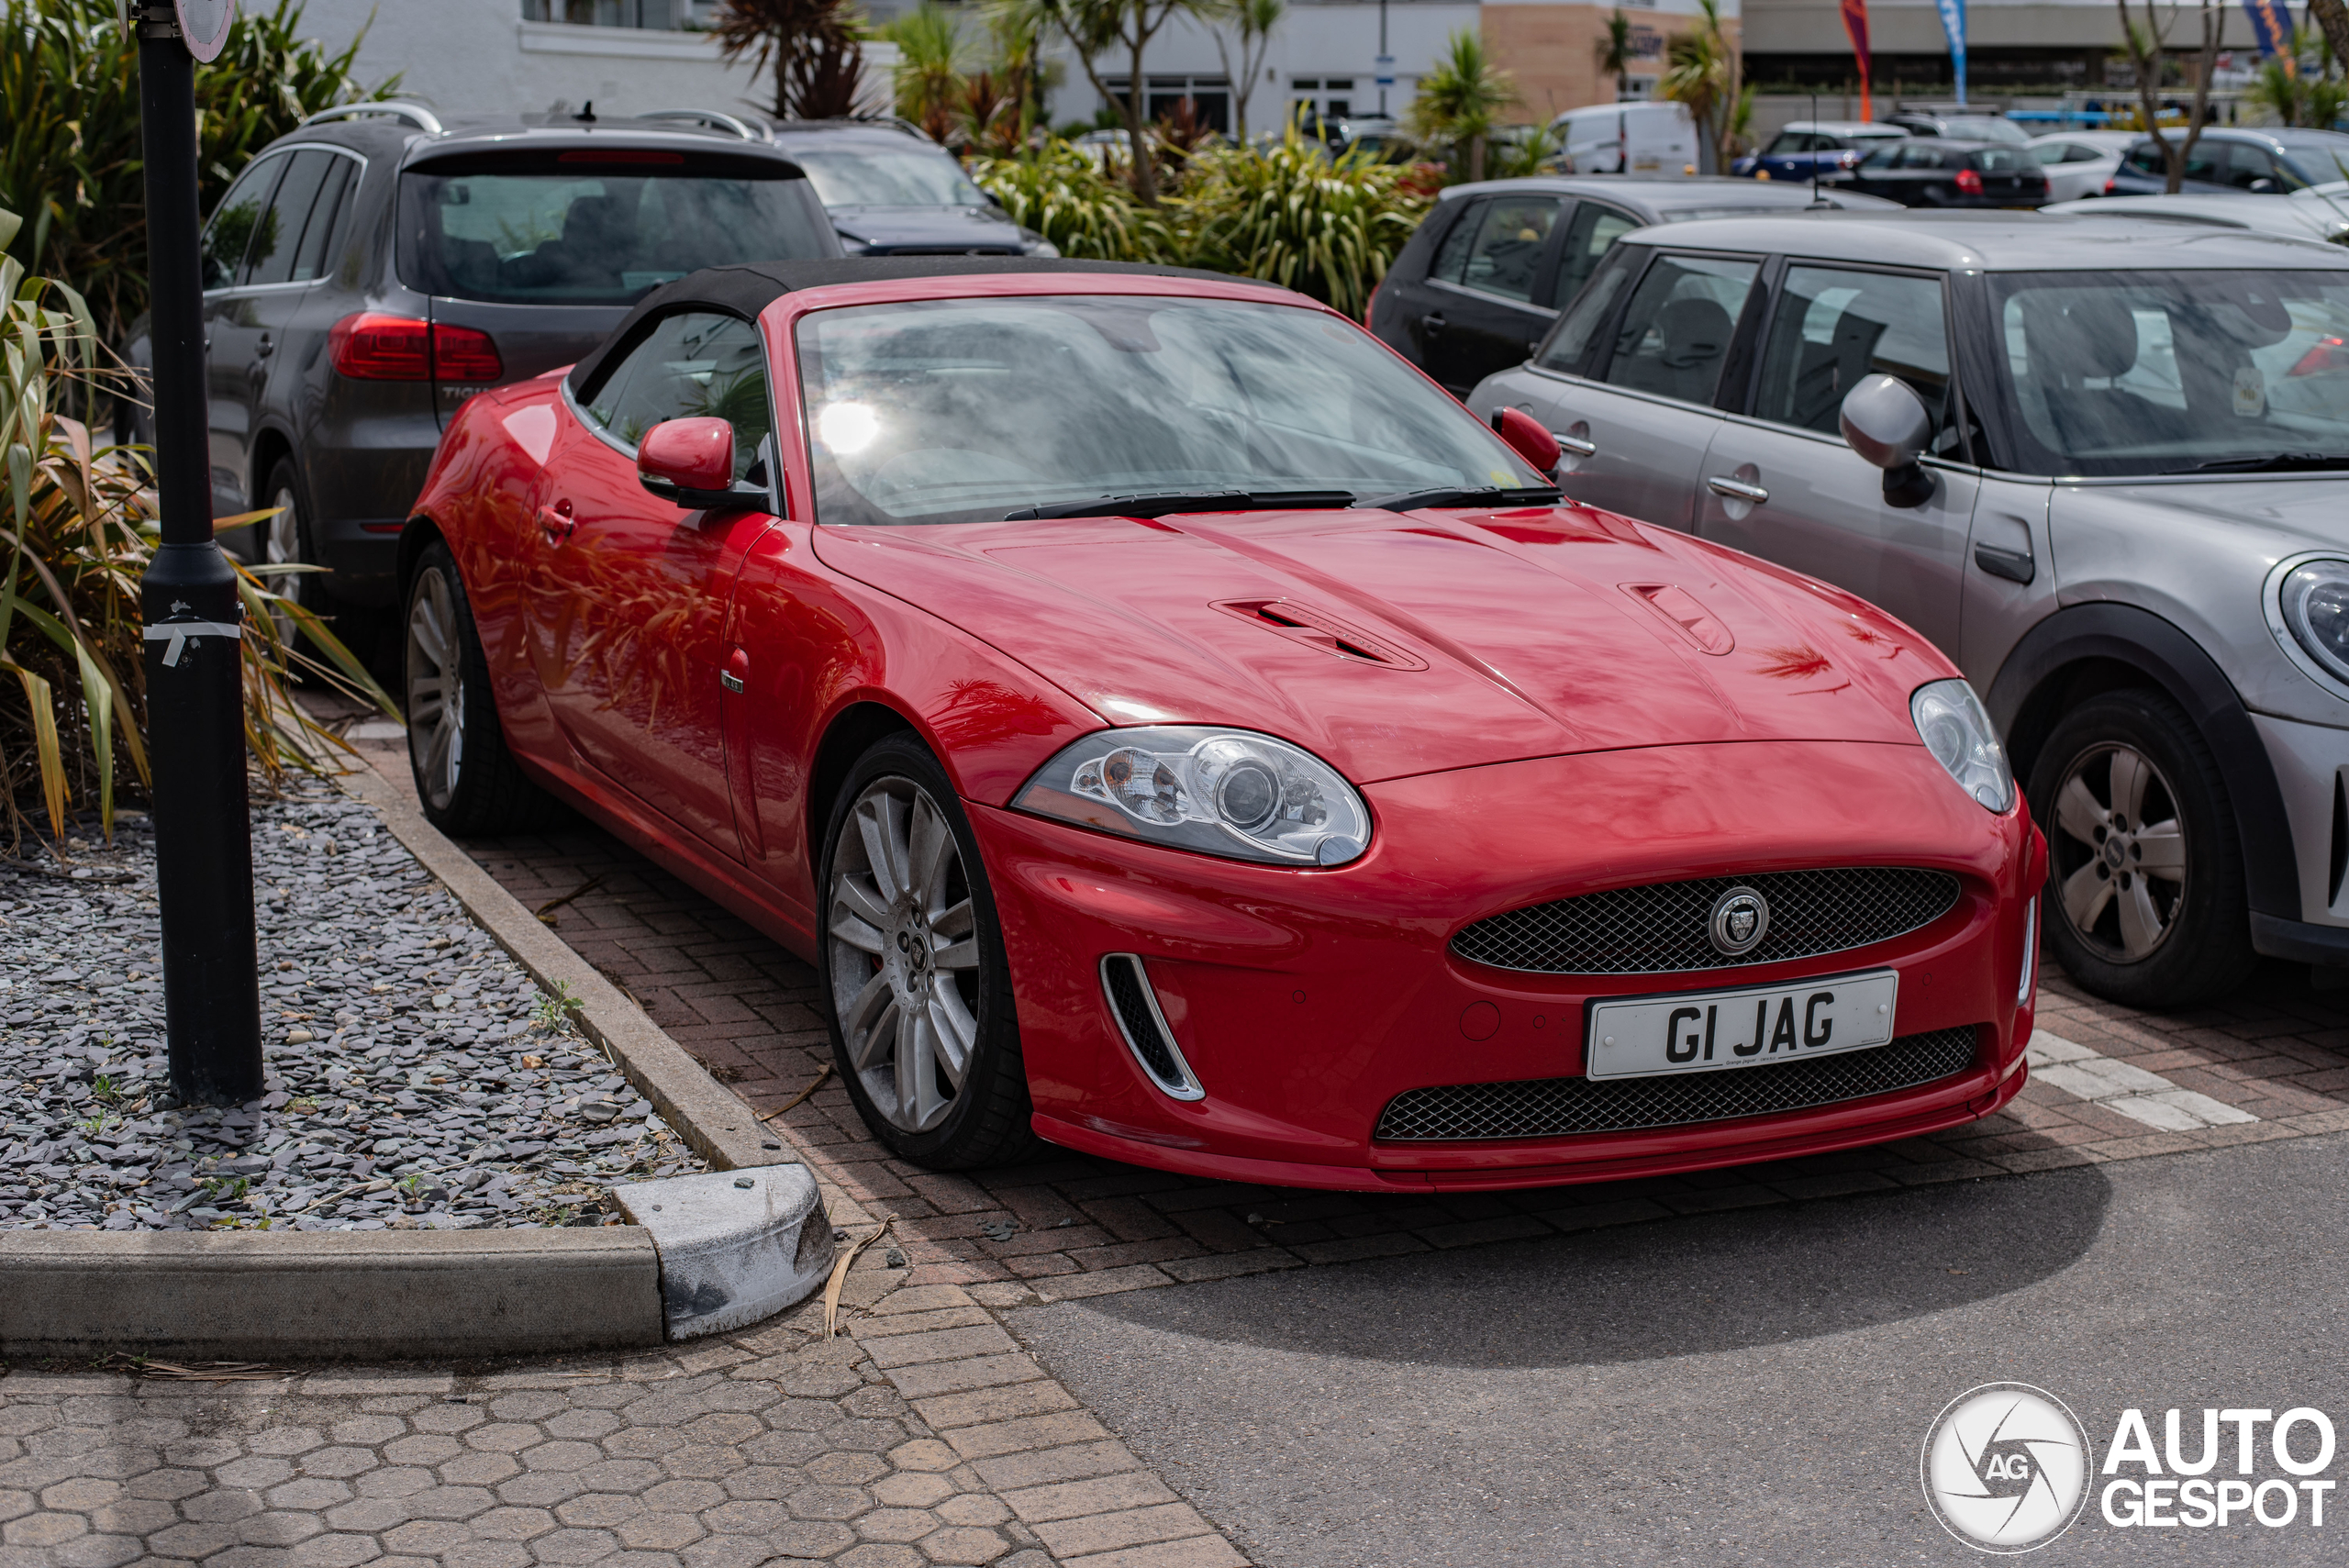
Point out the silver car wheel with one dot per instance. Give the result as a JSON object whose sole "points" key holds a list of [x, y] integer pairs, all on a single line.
{"points": [[436, 687], [281, 545], [902, 941], [2119, 852]]}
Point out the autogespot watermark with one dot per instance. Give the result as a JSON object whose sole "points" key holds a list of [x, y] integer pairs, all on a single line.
{"points": [[2007, 1468]]}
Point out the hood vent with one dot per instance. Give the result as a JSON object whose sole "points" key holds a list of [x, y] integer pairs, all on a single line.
{"points": [[1316, 629], [1693, 621]]}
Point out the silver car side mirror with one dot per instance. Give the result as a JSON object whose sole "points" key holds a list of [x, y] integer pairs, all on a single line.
{"points": [[1886, 423]]}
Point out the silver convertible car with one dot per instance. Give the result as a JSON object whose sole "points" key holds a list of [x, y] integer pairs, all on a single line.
{"points": [[2102, 462]]}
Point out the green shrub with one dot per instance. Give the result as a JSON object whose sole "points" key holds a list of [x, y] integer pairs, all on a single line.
{"points": [[70, 163], [1061, 192], [1292, 215]]}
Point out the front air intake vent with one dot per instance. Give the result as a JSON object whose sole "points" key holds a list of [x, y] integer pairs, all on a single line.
{"points": [[1135, 1006]]}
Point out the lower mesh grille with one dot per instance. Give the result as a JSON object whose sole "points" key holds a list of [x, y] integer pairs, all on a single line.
{"points": [[1554, 1107]]}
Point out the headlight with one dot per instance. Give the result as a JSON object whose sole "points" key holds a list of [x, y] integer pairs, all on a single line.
{"points": [[1222, 792], [2315, 600], [1956, 728], [1035, 244]]}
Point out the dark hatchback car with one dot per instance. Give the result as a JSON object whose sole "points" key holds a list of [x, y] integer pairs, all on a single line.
{"points": [[1480, 283], [1935, 173], [2264, 163], [893, 191], [1806, 147], [369, 271]]}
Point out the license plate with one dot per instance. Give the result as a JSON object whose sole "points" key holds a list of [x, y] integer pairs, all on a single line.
{"points": [[1711, 1031]]}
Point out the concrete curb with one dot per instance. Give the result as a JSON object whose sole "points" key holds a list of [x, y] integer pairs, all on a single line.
{"points": [[735, 1249], [330, 1294]]}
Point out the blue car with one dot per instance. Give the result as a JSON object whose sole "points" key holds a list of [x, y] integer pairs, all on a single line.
{"points": [[1831, 147]]}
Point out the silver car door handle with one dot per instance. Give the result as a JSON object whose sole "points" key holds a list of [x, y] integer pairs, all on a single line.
{"points": [[731, 682], [1736, 489], [1575, 444]]}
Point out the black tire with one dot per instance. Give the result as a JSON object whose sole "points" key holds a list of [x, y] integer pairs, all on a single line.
{"points": [[285, 539], [919, 969], [466, 779], [2169, 920]]}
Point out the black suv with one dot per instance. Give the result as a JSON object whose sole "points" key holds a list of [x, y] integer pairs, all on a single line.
{"points": [[374, 269]]}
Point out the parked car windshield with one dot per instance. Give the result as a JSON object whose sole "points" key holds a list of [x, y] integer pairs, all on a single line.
{"points": [[886, 176], [603, 226], [2129, 373], [951, 411]]}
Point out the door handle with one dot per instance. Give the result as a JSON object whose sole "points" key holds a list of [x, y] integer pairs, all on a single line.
{"points": [[556, 521], [736, 675], [1575, 444], [1430, 323], [1731, 489], [264, 347]]}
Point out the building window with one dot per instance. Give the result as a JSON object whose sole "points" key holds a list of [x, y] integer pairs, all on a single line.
{"points": [[1322, 97], [665, 14], [1210, 97]]}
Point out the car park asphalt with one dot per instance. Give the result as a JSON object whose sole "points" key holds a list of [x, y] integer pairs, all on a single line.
{"points": [[1751, 1388]]}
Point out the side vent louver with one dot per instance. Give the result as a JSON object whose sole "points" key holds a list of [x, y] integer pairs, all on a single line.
{"points": [[1135, 1006]]}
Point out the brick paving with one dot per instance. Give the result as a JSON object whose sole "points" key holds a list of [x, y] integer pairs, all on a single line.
{"points": [[1076, 1226], [924, 1436]]}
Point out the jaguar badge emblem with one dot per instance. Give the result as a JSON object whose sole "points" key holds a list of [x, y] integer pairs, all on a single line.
{"points": [[1741, 919]]}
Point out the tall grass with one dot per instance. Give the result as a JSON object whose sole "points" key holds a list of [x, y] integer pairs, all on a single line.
{"points": [[78, 527]]}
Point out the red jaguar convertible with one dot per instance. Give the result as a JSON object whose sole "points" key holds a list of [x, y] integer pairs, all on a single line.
{"points": [[1176, 729]]}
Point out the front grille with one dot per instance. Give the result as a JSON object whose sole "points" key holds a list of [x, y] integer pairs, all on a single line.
{"points": [[1664, 927], [1555, 1108]]}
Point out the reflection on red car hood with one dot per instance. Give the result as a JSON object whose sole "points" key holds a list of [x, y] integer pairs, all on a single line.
{"points": [[1393, 644]]}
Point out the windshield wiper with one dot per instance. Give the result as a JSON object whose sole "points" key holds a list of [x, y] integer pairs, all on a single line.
{"points": [[2278, 462], [1166, 503], [1490, 495]]}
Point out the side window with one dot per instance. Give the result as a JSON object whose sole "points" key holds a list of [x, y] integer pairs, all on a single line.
{"points": [[1675, 333], [1452, 257], [1884, 157], [2248, 161], [279, 236], [1834, 327], [230, 232], [693, 364], [1590, 234], [2080, 152], [2146, 159], [1506, 255], [1571, 341], [314, 258], [1921, 157]]}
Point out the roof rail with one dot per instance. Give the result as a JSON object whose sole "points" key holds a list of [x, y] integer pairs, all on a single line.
{"points": [[416, 115], [710, 118], [877, 122]]}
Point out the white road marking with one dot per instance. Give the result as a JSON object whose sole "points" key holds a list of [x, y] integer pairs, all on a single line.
{"points": [[2141, 1096]]}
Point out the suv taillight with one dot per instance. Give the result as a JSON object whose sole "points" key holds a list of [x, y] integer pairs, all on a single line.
{"points": [[374, 346], [1970, 182]]}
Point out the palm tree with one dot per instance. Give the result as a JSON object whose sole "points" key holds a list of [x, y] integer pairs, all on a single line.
{"points": [[1615, 53], [1701, 71], [929, 66], [1253, 20], [812, 46], [1459, 99]]}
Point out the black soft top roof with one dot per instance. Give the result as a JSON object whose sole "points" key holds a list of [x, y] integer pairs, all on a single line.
{"points": [[746, 288]]}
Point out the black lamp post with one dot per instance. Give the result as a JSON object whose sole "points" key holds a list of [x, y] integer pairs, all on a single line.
{"points": [[195, 670]]}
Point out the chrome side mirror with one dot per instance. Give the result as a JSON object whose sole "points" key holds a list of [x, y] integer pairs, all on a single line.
{"points": [[1886, 423]]}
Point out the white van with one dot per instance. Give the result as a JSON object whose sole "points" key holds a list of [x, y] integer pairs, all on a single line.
{"points": [[1656, 141]]}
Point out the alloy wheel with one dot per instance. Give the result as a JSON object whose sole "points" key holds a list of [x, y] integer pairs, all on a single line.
{"points": [[436, 688], [904, 949], [2119, 848], [282, 546]]}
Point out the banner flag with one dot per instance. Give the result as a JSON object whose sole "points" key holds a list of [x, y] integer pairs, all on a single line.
{"points": [[1856, 25], [2271, 23], [1954, 24]]}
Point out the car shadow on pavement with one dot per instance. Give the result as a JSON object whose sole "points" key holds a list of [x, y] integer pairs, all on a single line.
{"points": [[1673, 1287]]}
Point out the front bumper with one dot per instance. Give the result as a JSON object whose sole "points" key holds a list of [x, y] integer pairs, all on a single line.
{"points": [[1305, 1001]]}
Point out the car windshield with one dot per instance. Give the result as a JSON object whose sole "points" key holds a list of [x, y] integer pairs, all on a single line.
{"points": [[886, 176], [945, 411], [605, 229], [2322, 164], [2129, 373]]}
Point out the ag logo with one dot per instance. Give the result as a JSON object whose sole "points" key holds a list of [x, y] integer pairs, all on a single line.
{"points": [[1741, 919], [2006, 1467]]}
